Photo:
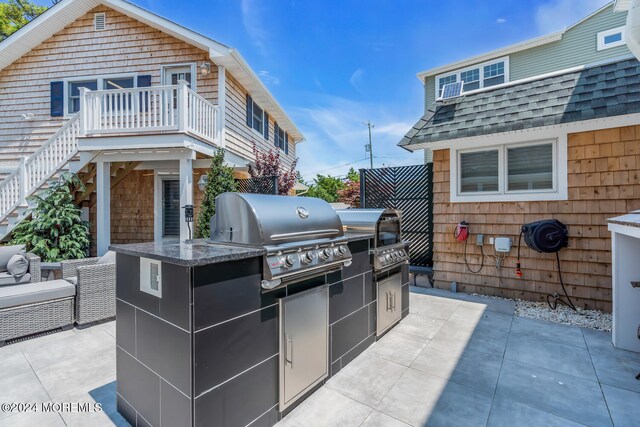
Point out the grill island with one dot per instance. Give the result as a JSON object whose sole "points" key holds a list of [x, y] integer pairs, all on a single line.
{"points": [[241, 328]]}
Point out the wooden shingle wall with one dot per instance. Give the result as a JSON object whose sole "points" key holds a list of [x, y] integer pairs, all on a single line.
{"points": [[125, 46], [604, 181]]}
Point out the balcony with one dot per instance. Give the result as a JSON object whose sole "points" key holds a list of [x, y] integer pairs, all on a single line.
{"points": [[149, 110]]}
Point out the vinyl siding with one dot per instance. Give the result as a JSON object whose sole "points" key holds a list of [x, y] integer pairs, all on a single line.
{"points": [[577, 47]]}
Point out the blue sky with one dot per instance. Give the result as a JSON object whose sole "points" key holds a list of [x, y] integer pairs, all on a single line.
{"points": [[333, 65]]}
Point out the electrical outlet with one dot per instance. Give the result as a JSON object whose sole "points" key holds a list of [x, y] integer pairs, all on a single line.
{"points": [[479, 239], [491, 241]]}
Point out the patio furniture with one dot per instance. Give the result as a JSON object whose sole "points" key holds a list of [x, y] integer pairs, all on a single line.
{"points": [[18, 267], [31, 308], [95, 280], [50, 270]]}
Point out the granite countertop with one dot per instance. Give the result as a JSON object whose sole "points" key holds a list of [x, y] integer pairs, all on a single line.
{"points": [[200, 251], [192, 254], [631, 219]]}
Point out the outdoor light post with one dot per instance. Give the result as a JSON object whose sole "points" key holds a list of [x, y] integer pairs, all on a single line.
{"points": [[369, 147]]}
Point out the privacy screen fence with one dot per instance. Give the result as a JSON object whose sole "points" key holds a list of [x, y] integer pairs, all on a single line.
{"points": [[409, 189], [261, 185]]}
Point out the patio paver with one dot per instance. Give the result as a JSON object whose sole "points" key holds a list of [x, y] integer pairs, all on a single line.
{"points": [[455, 360]]}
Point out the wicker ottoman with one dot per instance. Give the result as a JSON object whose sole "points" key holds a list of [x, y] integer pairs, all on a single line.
{"points": [[35, 307]]}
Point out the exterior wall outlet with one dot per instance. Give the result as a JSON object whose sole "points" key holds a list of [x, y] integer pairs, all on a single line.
{"points": [[479, 239], [503, 244], [491, 240], [151, 276]]}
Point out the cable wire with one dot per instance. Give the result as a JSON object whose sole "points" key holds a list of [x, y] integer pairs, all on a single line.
{"points": [[557, 298]]}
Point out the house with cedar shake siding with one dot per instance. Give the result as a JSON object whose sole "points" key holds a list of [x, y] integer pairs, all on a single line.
{"points": [[548, 128], [135, 105]]}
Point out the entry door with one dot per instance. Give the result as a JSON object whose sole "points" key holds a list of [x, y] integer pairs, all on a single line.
{"points": [[172, 75], [170, 207]]}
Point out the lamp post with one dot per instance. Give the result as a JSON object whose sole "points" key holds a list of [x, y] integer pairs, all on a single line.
{"points": [[369, 147]]}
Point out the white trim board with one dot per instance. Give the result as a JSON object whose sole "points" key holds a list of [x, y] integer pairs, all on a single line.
{"points": [[531, 134]]}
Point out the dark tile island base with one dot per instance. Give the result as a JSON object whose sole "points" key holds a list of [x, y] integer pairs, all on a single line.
{"points": [[204, 347]]}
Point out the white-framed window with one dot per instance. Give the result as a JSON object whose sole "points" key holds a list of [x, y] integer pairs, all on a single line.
{"points": [[258, 118], [477, 76], [611, 38], [109, 82], [507, 172], [280, 139]]}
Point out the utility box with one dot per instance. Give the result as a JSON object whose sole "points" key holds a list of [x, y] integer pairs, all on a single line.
{"points": [[502, 244]]}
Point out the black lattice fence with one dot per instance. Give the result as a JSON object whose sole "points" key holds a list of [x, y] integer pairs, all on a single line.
{"points": [[410, 189], [260, 185]]}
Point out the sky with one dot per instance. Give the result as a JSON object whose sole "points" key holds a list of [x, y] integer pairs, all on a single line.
{"points": [[333, 65]]}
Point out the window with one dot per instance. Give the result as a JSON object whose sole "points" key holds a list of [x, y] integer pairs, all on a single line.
{"points": [[611, 38], [95, 83], [280, 137], [505, 171], [478, 76], [74, 93], [471, 79], [257, 118], [493, 74], [479, 171], [445, 81]]}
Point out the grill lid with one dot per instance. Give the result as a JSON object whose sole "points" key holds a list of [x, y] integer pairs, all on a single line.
{"points": [[365, 220], [266, 220]]}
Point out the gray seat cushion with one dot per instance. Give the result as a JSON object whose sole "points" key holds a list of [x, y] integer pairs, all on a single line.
{"points": [[30, 293], [73, 280], [6, 252], [7, 279]]}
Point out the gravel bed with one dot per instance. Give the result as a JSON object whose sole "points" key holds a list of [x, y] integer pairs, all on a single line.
{"points": [[592, 319]]}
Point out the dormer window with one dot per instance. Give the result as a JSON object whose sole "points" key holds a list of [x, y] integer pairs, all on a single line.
{"points": [[478, 76], [611, 38]]}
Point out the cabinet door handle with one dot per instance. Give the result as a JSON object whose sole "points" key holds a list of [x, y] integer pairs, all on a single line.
{"points": [[288, 351], [388, 301], [393, 300]]}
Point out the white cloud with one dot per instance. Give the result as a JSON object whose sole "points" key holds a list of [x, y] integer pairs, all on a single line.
{"points": [[500, 21], [253, 13], [555, 15], [268, 78], [356, 78], [336, 136]]}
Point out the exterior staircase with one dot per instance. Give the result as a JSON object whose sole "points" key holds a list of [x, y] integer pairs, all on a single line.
{"points": [[58, 154]]}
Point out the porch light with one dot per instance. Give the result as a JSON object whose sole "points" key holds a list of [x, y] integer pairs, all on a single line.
{"points": [[202, 182], [205, 68]]}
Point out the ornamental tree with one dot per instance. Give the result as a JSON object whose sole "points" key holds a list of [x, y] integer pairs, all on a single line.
{"points": [[269, 164]]}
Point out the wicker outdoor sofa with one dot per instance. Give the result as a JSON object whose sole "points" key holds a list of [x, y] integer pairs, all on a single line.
{"points": [[95, 282]]}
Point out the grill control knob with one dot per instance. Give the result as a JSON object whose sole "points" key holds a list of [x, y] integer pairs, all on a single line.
{"points": [[326, 253], [387, 257], [342, 249], [309, 256], [289, 260]]}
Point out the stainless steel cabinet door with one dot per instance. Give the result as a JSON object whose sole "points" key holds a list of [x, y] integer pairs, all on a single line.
{"points": [[389, 302], [304, 343]]}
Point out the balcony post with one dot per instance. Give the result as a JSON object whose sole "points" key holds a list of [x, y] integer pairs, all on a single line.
{"points": [[83, 111], [183, 107], [23, 181]]}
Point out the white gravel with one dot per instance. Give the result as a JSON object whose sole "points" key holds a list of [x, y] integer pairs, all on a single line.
{"points": [[592, 319]]}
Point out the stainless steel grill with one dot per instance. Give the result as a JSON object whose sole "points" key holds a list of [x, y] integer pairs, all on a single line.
{"points": [[303, 236], [389, 250]]}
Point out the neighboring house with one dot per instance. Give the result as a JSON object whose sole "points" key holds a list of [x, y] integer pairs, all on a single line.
{"points": [[548, 128], [136, 105]]}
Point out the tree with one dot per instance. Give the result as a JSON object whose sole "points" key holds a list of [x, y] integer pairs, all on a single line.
{"points": [[15, 14], [325, 188], [220, 179], [350, 194], [353, 175], [56, 231], [270, 164]]}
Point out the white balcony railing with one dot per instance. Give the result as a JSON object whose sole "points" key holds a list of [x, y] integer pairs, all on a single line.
{"points": [[162, 109]]}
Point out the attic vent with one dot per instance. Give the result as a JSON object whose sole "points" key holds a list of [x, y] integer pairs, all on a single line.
{"points": [[99, 21]]}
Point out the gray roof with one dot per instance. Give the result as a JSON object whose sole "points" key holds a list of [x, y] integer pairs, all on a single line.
{"points": [[607, 90]]}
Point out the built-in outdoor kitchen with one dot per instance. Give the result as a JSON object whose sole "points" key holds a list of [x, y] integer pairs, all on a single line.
{"points": [[240, 328]]}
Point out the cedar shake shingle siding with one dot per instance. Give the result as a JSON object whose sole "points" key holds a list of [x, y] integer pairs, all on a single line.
{"points": [[604, 181]]}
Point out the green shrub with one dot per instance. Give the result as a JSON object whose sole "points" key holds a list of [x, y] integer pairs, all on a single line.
{"points": [[55, 231]]}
